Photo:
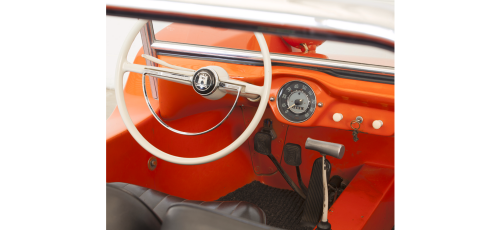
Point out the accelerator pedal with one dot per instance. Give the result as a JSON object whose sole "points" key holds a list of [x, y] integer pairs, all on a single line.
{"points": [[313, 207]]}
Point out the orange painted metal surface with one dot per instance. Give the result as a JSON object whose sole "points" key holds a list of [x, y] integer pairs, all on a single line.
{"points": [[368, 164], [367, 202], [126, 160], [338, 98], [297, 42], [352, 98]]}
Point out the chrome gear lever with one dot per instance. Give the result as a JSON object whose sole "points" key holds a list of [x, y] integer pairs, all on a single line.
{"points": [[326, 148], [330, 149]]}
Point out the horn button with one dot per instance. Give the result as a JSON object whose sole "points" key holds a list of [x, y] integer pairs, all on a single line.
{"points": [[205, 81]]}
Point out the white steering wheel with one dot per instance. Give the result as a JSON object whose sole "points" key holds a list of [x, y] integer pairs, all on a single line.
{"points": [[183, 77]]}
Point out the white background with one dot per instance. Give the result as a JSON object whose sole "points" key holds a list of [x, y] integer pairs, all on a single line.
{"points": [[118, 27]]}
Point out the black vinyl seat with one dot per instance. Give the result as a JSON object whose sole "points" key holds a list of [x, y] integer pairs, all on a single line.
{"points": [[130, 206], [124, 211], [188, 217]]}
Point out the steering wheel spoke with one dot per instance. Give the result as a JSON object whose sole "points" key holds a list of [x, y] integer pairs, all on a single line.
{"points": [[250, 91], [178, 76], [129, 67]]}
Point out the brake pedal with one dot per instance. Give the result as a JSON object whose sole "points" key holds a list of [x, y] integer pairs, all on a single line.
{"points": [[292, 156]]}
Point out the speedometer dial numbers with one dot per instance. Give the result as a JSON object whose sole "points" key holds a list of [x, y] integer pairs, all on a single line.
{"points": [[296, 101]]}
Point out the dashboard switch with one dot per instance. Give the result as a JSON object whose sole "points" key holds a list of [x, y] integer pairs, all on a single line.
{"points": [[377, 124], [337, 117]]}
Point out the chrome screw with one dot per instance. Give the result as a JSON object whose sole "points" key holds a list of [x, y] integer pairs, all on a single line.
{"points": [[271, 99], [320, 104]]}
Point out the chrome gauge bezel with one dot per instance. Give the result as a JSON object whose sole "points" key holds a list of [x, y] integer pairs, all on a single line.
{"points": [[299, 118]]}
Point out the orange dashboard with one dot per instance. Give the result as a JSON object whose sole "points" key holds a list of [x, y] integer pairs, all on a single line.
{"points": [[351, 98]]}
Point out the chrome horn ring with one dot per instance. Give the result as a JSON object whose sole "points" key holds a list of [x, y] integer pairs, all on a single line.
{"points": [[238, 88]]}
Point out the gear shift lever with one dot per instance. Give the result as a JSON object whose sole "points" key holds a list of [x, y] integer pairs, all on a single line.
{"points": [[330, 149], [326, 148]]}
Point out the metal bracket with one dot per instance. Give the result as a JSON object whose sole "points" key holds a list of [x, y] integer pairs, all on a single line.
{"points": [[268, 128]]}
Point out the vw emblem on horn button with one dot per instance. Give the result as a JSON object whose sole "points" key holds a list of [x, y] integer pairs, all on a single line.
{"points": [[204, 82]]}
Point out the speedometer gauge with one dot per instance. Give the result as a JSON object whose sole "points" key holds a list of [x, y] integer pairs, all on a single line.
{"points": [[296, 101]]}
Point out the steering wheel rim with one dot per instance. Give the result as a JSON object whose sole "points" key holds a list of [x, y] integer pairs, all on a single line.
{"points": [[124, 66]]}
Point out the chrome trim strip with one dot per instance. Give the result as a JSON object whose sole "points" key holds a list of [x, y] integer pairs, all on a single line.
{"points": [[248, 55], [148, 38], [332, 27]]}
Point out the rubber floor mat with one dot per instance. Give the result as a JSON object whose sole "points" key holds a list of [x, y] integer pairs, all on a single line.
{"points": [[283, 207]]}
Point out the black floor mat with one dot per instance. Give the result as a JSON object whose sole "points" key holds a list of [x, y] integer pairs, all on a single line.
{"points": [[283, 207]]}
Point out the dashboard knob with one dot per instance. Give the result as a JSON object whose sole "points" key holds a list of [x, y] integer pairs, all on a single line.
{"points": [[377, 124], [337, 117]]}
